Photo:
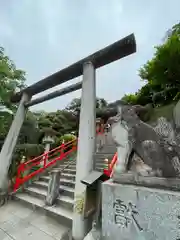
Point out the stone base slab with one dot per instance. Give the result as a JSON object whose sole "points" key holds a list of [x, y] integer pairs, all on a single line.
{"points": [[139, 213], [148, 181]]}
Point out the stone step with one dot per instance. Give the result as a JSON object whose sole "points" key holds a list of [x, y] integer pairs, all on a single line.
{"points": [[63, 215], [40, 184], [44, 178], [64, 201], [106, 152], [67, 182], [64, 181], [101, 155], [108, 149], [66, 190], [36, 192], [100, 159], [102, 164], [69, 170], [99, 169], [71, 176], [72, 166]]}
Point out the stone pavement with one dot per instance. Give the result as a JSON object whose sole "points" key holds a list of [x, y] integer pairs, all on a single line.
{"points": [[18, 222]]}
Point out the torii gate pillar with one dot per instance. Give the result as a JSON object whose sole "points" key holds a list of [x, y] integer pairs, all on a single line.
{"points": [[86, 147], [10, 143]]}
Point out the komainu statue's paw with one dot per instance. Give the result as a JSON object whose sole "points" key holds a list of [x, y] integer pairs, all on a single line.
{"points": [[142, 169]]}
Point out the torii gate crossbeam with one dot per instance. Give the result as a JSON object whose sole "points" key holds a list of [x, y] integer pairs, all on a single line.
{"points": [[111, 53]]}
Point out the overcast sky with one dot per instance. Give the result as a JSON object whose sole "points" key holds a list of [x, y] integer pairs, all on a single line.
{"points": [[44, 36]]}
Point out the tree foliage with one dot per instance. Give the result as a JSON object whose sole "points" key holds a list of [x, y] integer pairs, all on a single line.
{"points": [[11, 79], [161, 74]]}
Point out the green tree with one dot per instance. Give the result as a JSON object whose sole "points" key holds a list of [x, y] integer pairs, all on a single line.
{"points": [[162, 71], [101, 109], [11, 79], [175, 30], [30, 132], [75, 104], [130, 98]]}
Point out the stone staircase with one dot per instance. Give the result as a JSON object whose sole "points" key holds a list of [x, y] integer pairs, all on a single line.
{"points": [[35, 194]]}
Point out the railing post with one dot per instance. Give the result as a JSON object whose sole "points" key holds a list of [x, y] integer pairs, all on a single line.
{"points": [[106, 164], [53, 187], [10, 143], [18, 178], [62, 149], [45, 159], [86, 147]]}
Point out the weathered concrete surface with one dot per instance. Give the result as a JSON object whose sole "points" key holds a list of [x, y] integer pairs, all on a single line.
{"points": [[139, 213], [149, 181], [18, 222]]}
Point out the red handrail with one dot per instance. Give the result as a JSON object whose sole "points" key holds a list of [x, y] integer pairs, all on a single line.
{"points": [[43, 161], [49, 158], [100, 130], [108, 171]]}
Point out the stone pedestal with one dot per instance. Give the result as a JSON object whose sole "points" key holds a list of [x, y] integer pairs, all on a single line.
{"points": [[139, 213]]}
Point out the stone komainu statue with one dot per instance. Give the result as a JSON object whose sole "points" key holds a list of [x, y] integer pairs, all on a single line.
{"points": [[144, 149]]}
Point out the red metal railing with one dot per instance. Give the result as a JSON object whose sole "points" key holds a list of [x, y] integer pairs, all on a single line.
{"points": [[42, 162], [100, 130], [108, 171]]}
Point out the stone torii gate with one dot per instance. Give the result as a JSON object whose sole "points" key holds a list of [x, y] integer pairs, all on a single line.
{"points": [[87, 127]]}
